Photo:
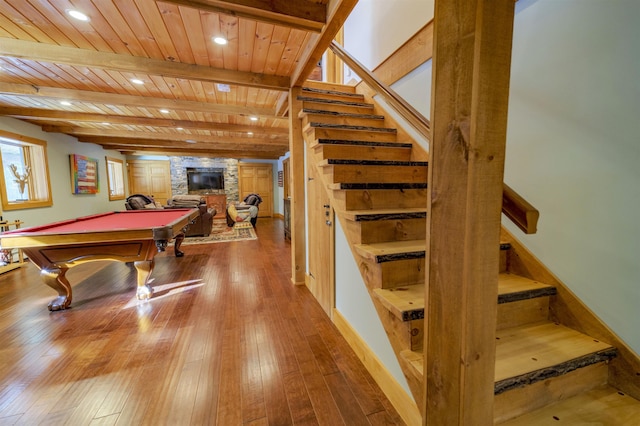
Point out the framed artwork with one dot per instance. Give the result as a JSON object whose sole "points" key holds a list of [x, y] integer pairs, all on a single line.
{"points": [[84, 175]]}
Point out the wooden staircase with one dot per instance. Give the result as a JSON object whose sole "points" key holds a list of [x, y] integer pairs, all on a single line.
{"points": [[377, 185]]}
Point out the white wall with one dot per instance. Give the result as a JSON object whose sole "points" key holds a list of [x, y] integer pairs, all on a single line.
{"points": [[65, 204], [377, 28], [572, 145], [355, 305], [573, 151]]}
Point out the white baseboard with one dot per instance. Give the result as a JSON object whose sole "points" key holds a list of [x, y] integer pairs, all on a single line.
{"points": [[401, 401]]}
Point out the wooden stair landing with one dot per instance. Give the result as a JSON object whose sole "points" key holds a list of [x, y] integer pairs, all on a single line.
{"points": [[603, 405]]}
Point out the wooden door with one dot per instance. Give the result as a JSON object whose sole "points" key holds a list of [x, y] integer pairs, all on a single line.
{"points": [[321, 279], [150, 177], [257, 178]]}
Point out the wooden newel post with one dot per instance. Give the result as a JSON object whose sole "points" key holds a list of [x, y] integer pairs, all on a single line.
{"points": [[296, 153], [471, 66]]}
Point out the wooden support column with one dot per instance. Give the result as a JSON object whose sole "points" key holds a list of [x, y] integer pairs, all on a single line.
{"points": [[296, 155], [471, 67]]}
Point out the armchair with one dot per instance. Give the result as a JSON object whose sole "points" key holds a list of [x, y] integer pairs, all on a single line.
{"points": [[246, 210]]}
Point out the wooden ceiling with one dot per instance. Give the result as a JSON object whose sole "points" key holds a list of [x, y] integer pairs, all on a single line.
{"points": [[210, 94]]}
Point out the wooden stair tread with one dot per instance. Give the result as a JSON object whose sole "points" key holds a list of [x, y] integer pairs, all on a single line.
{"points": [[346, 162], [341, 186], [311, 90], [335, 102], [603, 405], [415, 360], [513, 287], [385, 214], [369, 129], [392, 250], [535, 349], [321, 142], [406, 302], [326, 86], [309, 111]]}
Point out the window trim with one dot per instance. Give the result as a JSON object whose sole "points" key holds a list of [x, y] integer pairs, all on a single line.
{"points": [[116, 196], [29, 204]]}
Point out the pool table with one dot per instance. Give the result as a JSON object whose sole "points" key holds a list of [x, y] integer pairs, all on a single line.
{"points": [[126, 236]]}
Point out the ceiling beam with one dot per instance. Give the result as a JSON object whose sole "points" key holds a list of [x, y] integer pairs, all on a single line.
{"points": [[172, 136], [339, 11], [206, 153], [42, 52], [302, 15], [131, 100], [161, 145], [55, 115]]}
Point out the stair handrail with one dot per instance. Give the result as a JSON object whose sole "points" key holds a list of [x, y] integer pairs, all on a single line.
{"points": [[417, 121], [514, 206]]}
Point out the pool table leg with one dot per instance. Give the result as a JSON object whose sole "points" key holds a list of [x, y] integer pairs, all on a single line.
{"points": [[55, 278], [176, 245], [144, 268]]}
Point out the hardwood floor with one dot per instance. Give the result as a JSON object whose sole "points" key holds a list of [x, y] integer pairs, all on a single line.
{"points": [[226, 340]]}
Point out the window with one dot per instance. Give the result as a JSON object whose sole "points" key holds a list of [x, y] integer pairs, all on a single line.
{"points": [[115, 178], [24, 181]]}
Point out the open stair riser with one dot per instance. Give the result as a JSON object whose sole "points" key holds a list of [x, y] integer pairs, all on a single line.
{"points": [[394, 275]]}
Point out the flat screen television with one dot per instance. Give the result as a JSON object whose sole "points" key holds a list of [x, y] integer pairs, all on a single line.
{"points": [[205, 179]]}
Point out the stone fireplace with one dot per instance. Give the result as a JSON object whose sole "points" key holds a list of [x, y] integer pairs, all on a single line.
{"points": [[179, 167]]}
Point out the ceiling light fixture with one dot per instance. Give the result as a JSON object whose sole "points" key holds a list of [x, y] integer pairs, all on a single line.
{"points": [[65, 103], [75, 14], [179, 128], [137, 81], [190, 141], [253, 118], [250, 133], [164, 111], [219, 40], [223, 87]]}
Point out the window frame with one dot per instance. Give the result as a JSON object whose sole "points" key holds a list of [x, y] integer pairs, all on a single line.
{"points": [[29, 143], [118, 196]]}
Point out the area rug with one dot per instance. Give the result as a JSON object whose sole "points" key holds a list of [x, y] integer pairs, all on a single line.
{"points": [[222, 233]]}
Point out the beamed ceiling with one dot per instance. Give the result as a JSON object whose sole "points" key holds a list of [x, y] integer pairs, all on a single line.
{"points": [[209, 93]]}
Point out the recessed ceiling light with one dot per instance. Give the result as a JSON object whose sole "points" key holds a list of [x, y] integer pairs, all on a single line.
{"points": [[106, 124], [250, 133], [65, 103], [190, 141], [253, 118], [164, 111], [219, 40], [78, 15], [137, 81], [179, 128], [223, 87]]}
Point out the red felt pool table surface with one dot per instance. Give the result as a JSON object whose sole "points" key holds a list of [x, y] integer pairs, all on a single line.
{"points": [[119, 220], [126, 236]]}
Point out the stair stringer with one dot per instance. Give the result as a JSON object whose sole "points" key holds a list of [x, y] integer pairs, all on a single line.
{"points": [[389, 323]]}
